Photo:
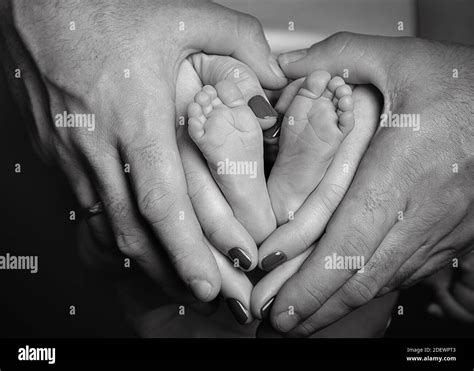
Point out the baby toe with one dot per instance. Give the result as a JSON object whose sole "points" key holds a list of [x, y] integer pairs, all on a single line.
{"points": [[343, 90], [210, 91], [196, 121], [195, 111], [317, 82], [346, 103], [346, 121], [195, 128], [202, 99], [335, 83]]}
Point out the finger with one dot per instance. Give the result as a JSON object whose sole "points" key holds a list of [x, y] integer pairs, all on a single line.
{"points": [[351, 325], [311, 219], [213, 69], [236, 288], [464, 295], [131, 236], [288, 94], [87, 197], [159, 184], [214, 213], [361, 59], [97, 256], [450, 239], [452, 308], [220, 225], [96, 243], [240, 35], [361, 287], [108, 259], [268, 287]]}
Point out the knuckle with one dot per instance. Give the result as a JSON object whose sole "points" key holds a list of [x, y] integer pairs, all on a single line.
{"points": [[339, 38], [130, 244], [196, 185], [117, 209], [355, 243], [359, 290], [251, 25], [181, 257], [312, 292], [157, 203], [342, 35], [331, 198], [217, 230]]}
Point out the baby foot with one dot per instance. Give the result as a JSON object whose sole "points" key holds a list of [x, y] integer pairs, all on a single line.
{"points": [[230, 138], [315, 124]]}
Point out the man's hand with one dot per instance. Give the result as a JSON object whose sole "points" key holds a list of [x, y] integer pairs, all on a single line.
{"points": [[115, 64], [409, 210]]}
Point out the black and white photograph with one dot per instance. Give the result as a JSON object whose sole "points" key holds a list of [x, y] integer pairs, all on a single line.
{"points": [[192, 179]]}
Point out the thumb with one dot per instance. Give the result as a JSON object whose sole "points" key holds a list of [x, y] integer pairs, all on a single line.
{"points": [[360, 59], [228, 32]]}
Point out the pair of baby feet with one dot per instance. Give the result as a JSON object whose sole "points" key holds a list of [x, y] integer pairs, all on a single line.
{"points": [[229, 136]]}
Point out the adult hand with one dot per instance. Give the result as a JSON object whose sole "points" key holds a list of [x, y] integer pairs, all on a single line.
{"points": [[453, 291], [116, 63], [214, 214], [409, 209]]}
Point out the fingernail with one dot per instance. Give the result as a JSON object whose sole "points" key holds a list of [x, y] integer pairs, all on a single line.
{"points": [[261, 108], [286, 321], [435, 310], [292, 56], [274, 131], [238, 310], [265, 311], [273, 260], [275, 67], [244, 260], [201, 289]]}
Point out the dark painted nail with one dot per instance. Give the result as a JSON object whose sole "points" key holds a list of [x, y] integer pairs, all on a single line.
{"points": [[273, 260], [241, 256], [261, 108], [238, 310], [274, 131], [265, 311]]}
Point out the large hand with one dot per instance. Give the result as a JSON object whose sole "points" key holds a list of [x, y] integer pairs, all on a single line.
{"points": [[409, 209], [117, 62]]}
